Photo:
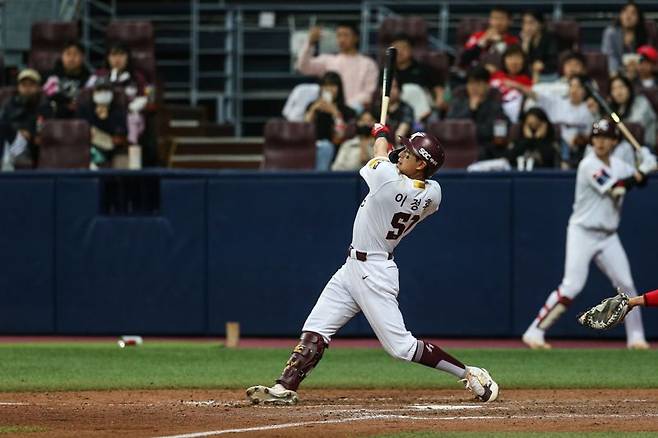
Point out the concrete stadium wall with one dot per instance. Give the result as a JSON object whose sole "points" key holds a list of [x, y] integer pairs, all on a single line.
{"points": [[258, 248]]}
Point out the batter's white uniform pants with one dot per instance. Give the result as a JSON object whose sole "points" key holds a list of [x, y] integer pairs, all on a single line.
{"points": [[371, 286], [605, 248]]}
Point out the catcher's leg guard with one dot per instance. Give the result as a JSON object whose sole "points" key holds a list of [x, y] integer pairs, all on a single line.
{"points": [[303, 359], [556, 305], [432, 356]]}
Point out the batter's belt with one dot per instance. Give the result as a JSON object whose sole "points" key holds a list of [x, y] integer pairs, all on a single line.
{"points": [[363, 256]]}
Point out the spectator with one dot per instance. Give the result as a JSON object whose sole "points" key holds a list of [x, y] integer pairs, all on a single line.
{"points": [[330, 114], [633, 108], [357, 151], [19, 118], [642, 71], [108, 123], [494, 39], [514, 73], [482, 104], [624, 36], [123, 75], [358, 72], [574, 115], [538, 45], [400, 118], [66, 80], [573, 64], [537, 146], [410, 71]]}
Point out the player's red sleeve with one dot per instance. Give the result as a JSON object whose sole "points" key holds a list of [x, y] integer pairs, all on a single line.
{"points": [[651, 298]]}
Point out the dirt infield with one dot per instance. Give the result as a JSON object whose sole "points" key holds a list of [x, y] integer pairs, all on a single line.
{"points": [[326, 412]]}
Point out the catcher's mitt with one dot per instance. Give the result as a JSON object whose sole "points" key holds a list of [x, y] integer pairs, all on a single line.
{"points": [[606, 315]]}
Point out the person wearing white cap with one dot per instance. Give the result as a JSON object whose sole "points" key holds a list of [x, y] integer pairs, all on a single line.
{"points": [[18, 122]]}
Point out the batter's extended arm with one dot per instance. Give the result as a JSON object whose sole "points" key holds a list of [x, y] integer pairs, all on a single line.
{"points": [[381, 146]]}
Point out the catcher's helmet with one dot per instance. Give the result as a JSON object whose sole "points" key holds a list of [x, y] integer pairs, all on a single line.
{"points": [[424, 146], [605, 128]]}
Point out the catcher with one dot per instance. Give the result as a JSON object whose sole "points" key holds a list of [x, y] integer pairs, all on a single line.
{"points": [[613, 310]]}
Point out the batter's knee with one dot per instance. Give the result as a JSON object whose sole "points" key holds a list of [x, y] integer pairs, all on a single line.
{"points": [[404, 350]]}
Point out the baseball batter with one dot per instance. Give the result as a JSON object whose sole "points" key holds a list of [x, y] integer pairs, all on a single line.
{"points": [[601, 184], [400, 196]]}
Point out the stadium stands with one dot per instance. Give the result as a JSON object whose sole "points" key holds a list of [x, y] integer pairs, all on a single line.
{"points": [[47, 41], [289, 145], [65, 145]]}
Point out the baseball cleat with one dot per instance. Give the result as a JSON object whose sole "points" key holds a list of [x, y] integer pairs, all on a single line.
{"points": [[639, 345], [276, 395], [534, 338], [480, 383]]}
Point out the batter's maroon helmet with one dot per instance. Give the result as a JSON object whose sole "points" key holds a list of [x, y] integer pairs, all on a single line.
{"points": [[424, 146], [605, 128]]}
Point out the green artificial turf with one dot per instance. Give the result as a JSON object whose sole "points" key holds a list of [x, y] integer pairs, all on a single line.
{"points": [[78, 366], [20, 429], [429, 434]]}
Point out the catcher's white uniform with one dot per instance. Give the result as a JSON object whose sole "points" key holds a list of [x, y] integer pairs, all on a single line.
{"points": [[368, 281], [592, 234]]}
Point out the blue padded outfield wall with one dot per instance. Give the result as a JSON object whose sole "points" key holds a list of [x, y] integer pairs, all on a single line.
{"points": [[258, 248]]}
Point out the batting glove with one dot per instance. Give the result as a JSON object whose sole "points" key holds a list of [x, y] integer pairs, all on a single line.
{"points": [[379, 130]]}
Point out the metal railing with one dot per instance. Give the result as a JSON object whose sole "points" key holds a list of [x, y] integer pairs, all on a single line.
{"points": [[218, 74]]}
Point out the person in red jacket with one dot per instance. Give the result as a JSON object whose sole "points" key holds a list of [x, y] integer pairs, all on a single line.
{"points": [[495, 38], [513, 75], [649, 299]]}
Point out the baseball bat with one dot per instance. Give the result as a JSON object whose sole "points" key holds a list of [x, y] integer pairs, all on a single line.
{"points": [[613, 115], [389, 74]]}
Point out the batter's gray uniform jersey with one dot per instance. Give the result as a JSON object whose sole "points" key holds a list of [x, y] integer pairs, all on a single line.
{"points": [[368, 281], [592, 234]]}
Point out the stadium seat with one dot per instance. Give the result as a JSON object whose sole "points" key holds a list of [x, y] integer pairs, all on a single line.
{"points": [[459, 140], [597, 69], [439, 62], [289, 145], [515, 131], [414, 27], [65, 144], [138, 36], [47, 41], [5, 94], [467, 26], [567, 34], [637, 130]]}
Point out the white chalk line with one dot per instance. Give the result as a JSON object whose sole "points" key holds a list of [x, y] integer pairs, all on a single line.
{"points": [[289, 425], [13, 404], [405, 417]]}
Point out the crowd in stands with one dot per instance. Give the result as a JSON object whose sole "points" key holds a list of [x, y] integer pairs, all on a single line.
{"points": [[113, 100], [525, 93]]}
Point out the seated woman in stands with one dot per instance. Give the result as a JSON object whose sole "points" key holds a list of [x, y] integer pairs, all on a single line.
{"points": [[633, 108], [537, 145], [538, 45], [330, 115], [124, 76], [513, 74], [66, 80], [108, 124], [624, 36]]}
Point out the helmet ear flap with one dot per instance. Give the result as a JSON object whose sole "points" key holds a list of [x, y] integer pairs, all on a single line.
{"points": [[394, 155]]}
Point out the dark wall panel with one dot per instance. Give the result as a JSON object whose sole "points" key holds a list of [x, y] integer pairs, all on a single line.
{"points": [[273, 245], [131, 274], [27, 243]]}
